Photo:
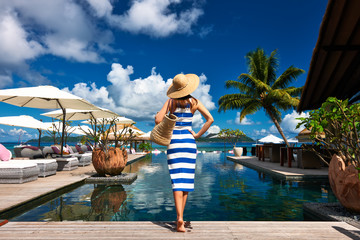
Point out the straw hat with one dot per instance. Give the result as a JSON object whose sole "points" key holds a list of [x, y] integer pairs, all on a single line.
{"points": [[183, 85]]}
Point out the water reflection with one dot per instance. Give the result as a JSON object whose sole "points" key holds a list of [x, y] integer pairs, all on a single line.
{"points": [[223, 191], [106, 200]]}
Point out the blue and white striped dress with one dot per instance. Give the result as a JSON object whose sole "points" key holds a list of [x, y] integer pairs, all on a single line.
{"points": [[181, 152]]}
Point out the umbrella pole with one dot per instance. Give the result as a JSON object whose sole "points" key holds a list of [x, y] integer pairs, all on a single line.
{"points": [[63, 128], [39, 137]]}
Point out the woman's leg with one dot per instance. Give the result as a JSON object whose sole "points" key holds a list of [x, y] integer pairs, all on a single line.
{"points": [[185, 195], [179, 199]]}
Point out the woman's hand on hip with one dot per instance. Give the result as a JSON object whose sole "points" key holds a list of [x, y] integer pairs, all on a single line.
{"points": [[193, 133]]}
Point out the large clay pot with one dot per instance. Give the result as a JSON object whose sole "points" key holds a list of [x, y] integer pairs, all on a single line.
{"points": [[113, 164], [238, 151], [345, 183]]}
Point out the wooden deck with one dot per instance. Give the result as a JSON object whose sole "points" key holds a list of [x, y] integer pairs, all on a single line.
{"points": [[165, 230], [281, 172]]}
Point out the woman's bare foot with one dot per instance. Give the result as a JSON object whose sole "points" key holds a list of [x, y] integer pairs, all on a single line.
{"points": [[180, 225]]}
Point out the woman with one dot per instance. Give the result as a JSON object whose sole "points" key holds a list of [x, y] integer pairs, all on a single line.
{"points": [[181, 152]]}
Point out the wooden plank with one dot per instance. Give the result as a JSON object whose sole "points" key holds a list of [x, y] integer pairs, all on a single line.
{"points": [[165, 230]]}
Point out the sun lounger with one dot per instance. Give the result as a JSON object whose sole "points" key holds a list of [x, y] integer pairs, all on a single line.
{"points": [[67, 163], [18, 171], [85, 159], [47, 167], [28, 152]]}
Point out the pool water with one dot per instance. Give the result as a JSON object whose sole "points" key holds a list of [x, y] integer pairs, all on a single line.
{"points": [[224, 191]]}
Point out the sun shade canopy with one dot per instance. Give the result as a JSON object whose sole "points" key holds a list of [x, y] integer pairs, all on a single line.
{"points": [[335, 64], [47, 97], [78, 114]]}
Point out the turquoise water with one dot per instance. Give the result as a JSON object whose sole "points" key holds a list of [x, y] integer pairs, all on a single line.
{"points": [[223, 191]]}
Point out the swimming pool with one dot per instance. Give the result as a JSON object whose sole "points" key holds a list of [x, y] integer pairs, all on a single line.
{"points": [[224, 191]]}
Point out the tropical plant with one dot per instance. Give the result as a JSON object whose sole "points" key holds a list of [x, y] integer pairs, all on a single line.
{"points": [[106, 159], [341, 124], [230, 135], [145, 146], [261, 89]]}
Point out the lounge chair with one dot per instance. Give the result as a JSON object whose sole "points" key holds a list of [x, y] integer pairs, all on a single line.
{"points": [[308, 159], [25, 151], [18, 171]]}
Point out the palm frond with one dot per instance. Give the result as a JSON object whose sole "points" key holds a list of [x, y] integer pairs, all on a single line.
{"points": [[272, 67], [287, 77], [238, 85], [294, 91], [233, 101], [254, 83], [250, 107]]}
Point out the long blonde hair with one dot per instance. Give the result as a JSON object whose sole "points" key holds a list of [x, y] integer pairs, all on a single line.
{"points": [[184, 102]]}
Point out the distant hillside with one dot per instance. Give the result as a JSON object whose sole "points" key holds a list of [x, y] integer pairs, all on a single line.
{"points": [[210, 138]]}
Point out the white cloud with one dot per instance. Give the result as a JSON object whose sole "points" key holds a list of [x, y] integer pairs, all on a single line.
{"points": [[101, 8], [139, 98], [245, 120], [213, 129], [15, 47], [261, 132], [155, 18], [5, 81], [204, 31], [289, 122]]}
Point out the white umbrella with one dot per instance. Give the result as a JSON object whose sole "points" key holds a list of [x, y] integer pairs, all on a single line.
{"points": [[46, 97], [79, 114], [24, 121], [120, 120], [271, 139]]}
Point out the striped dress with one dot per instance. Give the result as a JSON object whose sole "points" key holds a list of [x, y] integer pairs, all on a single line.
{"points": [[181, 152]]}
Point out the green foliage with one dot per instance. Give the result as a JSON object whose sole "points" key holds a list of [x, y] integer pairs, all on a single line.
{"points": [[145, 146], [230, 135], [341, 124], [261, 89]]}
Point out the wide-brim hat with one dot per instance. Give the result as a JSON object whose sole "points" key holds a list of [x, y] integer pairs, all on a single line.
{"points": [[183, 85]]}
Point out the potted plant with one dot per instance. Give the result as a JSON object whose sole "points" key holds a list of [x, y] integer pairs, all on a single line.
{"points": [[232, 136], [108, 160], [145, 147], [341, 124]]}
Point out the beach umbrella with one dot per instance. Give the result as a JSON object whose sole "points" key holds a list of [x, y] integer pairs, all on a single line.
{"points": [[46, 97], [80, 114], [271, 139], [118, 120], [25, 121]]}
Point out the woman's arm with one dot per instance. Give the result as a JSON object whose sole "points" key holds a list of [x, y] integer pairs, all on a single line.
{"points": [[209, 120], [160, 115]]}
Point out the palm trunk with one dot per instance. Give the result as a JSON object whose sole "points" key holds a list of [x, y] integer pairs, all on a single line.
{"points": [[278, 128]]}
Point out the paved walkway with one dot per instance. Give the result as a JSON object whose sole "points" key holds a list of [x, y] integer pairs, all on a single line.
{"points": [[281, 172], [165, 230], [13, 195]]}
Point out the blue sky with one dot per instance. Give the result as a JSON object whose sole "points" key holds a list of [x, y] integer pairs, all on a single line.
{"points": [[122, 55]]}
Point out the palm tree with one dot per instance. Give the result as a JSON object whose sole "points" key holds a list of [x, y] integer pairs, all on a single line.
{"points": [[261, 89]]}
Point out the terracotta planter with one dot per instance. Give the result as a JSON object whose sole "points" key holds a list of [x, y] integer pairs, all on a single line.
{"points": [[238, 151], [113, 164], [345, 183]]}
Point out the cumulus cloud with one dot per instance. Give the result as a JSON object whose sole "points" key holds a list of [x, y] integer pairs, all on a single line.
{"points": [[245, 120], [289, 122], [262, 132], [213, 129], [15, 134], [157, 18], [139, 98]]}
